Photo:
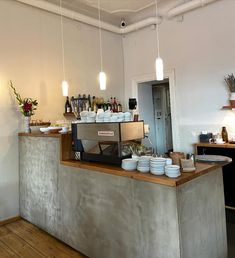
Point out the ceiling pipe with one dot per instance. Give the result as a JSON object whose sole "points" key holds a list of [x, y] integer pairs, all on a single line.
{"points": [[179, 10], [88, 20], [188, 6], [141, 24]]}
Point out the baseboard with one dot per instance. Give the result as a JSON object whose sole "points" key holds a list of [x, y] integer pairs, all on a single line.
{"points": [[10, 220]]}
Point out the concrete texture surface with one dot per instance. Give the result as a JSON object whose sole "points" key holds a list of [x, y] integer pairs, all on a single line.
{"points": [[202, 217], [107, 216]]}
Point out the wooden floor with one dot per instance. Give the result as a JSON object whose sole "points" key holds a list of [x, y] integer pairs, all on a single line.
{"points": [[22, 239]]}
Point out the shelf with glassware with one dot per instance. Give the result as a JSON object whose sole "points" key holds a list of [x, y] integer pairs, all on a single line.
{"points": [[76, 105]]}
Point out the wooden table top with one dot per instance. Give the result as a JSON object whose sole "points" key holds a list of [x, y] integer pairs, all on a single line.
{"points": [[214, 145]]}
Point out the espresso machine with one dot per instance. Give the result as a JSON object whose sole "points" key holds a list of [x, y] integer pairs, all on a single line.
{"points": [[105, 142]]}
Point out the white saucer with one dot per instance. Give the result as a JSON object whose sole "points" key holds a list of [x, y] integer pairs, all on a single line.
{"points": [[63, 131]]}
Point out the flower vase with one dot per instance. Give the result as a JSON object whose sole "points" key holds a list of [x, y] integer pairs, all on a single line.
{"points": [[27, 124], [232, 99]]}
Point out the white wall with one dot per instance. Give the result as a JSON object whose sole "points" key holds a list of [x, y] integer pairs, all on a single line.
{"points": [[201, 50], [31, 57]]}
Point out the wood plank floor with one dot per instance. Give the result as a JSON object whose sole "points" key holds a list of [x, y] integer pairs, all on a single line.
{"points": [[22, 239]]}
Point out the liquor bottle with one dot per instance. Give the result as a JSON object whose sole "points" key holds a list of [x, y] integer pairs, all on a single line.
{"points": [[93, 104], [111, 104], [108, 105], [119, 107], [115, 105], [224, 134], [68, 107], [89, 101]]}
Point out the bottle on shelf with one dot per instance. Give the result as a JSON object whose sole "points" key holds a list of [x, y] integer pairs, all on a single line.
{"points": [[89, 102], [111, 103], [115, 105], [224, 134], [108, 105], [119, 106], [93, 104], [68, 108]]}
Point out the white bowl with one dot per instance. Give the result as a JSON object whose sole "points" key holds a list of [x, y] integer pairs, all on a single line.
{"points": [[173, 175], [143, 169], [158, 167], [129, 164], [157, 172], [168, 161], [158, 163], [172, 167], [44, 129]]}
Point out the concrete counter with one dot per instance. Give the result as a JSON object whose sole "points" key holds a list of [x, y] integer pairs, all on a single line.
{"points": [[105, 215]]}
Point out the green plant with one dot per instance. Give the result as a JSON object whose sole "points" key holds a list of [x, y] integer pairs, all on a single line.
{"points": [[27, 106], [230, 81]]}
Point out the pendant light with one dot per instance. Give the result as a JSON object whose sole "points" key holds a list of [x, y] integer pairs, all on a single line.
{"points": [[158, 61], [102, 75], [64, 84]]}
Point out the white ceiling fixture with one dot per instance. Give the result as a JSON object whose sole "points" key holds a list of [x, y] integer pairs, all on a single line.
{"points": [[158, 61], [64, 85], [102, 75]]}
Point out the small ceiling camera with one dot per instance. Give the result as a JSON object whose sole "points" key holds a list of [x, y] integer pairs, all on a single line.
{"points": [[123, 24]]}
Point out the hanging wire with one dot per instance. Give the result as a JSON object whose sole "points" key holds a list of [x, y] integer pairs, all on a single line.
{"points": [[100, 35], [62, 38], [157, 31]]}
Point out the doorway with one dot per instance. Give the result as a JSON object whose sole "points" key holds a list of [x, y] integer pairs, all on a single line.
{"points": [[135, 90], [155, 110], [162, 117]]}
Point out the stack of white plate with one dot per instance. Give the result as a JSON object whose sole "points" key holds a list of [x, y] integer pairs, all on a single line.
{"points": [[114, 117], [121, 117], [143, 164], [157, 166], [129, 164], [91, 117], [99, 117], [172, 171], [127, 116], [107, 116]]}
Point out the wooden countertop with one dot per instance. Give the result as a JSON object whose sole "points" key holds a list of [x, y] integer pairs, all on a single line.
{"points": [[214, 145], [66, 160], [201, 169]]}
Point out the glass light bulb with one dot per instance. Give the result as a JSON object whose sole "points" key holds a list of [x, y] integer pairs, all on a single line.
{"points": [[65, 88], [159, 69], [102, 80]]}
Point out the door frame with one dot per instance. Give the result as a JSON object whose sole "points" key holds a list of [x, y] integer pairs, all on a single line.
{"points": [[170, 75]]}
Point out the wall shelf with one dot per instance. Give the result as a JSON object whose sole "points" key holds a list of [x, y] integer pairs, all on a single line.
{"points": [[226, 107], [71, 114]]}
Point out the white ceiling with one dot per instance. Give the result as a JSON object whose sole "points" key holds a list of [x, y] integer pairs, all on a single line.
{"points": [[113, 11]]}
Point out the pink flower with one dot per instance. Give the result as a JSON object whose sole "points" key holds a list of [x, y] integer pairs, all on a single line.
{"points": [[27, 107]]}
